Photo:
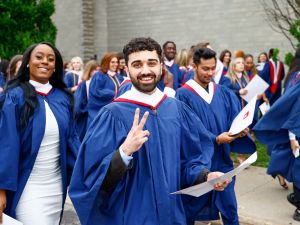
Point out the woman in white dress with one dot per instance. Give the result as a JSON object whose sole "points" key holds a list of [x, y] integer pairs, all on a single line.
{"points": [[38, 140]]}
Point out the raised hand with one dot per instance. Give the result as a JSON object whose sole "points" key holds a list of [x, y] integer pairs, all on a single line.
{"points": [[136, 136]]}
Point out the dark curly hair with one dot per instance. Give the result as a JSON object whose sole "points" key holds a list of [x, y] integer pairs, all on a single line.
{"points": [[22, 80], [141, 44]]}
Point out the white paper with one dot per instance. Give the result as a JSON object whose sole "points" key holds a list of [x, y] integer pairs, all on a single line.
{"points": [[7, 220], [256, 86], [244, 118], [203, 188], [264, 108]]}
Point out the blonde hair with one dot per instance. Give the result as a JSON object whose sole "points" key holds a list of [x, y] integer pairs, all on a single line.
{"points": [[183, 57], [77, 59], [90, 66], [232, 74]]}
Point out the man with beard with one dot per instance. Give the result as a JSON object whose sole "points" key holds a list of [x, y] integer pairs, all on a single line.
{"points": [[216, 106], [169, 48], [126, 168]]}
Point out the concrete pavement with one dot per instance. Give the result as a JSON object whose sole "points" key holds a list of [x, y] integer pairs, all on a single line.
{"points": [[261, 201]]}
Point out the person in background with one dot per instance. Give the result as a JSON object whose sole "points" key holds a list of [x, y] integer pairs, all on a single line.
{"points": [[273, 74], [104, 85], [169, 52], [225, 58], [81, 96], [122, 65], [261, 61], [73, 77], [184, 61], [14, 66], [236, 80]]}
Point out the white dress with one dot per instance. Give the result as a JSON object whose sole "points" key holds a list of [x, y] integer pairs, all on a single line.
{"points": [[41, 200]]}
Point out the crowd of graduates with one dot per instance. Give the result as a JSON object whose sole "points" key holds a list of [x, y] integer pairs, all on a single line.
{"points": [[78, 125]]}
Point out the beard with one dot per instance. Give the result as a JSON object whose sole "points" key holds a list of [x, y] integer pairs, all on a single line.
{"points": [[145, 88]]}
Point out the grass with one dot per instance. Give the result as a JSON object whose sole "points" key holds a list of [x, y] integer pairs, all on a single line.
{"points": [[262, 156]]}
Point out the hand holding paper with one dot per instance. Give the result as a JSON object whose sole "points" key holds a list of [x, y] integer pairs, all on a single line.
{"points": [[203, 188], [244, 118], [255, 87]]}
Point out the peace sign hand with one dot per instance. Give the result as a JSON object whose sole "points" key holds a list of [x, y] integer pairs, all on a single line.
{"points": [[136, 136]]}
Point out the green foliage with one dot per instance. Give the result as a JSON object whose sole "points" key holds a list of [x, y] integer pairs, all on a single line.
{"points": [[295, 30], [23, 23], [288, 58]]}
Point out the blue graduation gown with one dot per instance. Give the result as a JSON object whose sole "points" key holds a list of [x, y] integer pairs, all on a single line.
{"points": [[217, 117], [103, 89], [171, 159], [71, 79], [274, 91], [80, 109], [19, 149], [294, 78], [188, 76], [174, 69], [2, 80], [272, 129]]}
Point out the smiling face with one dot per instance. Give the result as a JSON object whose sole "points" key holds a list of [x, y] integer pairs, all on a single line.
{"points": [[113, 64], [227, 57], [205, 71], [41, 63], [144, 69], [170, 51], [76, 64]]}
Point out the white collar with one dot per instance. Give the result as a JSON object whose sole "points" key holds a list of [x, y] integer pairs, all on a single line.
{"points": [[111, 73], [140, 98], [276, 66], [43, 89], [207, 96], [169, 63]]}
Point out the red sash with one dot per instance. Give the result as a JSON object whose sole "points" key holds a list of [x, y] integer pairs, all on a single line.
{"points": [[274, 85]]}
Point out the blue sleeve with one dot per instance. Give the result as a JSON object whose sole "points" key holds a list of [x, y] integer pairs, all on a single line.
{"points": [[225, 81], [10, 142], [283, 115], [196, 147], [92, 164], [73, 145], [99, 94]]}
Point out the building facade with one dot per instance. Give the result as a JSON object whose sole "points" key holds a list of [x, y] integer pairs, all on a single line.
{"points": [[92, 27]]}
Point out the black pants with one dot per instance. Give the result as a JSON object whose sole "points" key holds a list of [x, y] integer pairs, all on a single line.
{"points": [[297, 196]]}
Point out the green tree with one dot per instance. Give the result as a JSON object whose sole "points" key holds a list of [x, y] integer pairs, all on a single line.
{"points": [[284, 17], [24, 22]]}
